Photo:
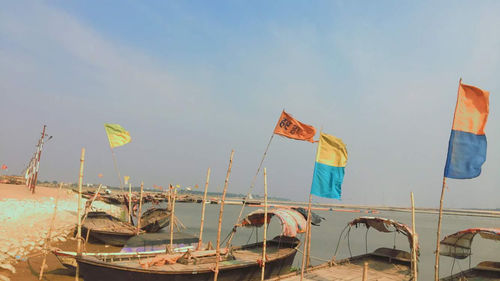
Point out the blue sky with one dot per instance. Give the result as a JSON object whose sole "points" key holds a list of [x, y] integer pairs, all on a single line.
{"points": [[192, 80]]}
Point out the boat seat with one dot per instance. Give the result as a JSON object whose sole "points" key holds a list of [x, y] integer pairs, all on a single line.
{"points": [[488, 266], [393, 254]]}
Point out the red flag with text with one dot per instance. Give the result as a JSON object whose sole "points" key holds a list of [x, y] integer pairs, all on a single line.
{"points": [[291, 128]]}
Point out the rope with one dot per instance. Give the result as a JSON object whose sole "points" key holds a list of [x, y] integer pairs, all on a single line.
{"points": [[316, 258], [253, 183]]}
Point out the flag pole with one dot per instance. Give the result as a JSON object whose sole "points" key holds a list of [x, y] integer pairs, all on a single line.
{"points": [[436, 264], [221, 212], [79, 230], [116, 167], [306, 240], [264, 242], [413, 242], [200, 241]]}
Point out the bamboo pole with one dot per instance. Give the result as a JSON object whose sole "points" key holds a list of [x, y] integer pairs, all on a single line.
{"points": [[308, 257], [365, 271], [221, 212], [129, 202], [87, 208], [47, 239], [264, 242], [251, 186], [139, 215], [172, 218], [79, 231], [200, 242], [436, 265], [306, 241], [413, 242]]}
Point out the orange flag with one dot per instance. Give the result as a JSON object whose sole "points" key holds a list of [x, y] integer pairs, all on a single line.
{"points": [[289, 127]]}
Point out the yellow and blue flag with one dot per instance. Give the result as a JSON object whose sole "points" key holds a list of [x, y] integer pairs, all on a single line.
{"points": [[467, 145], [329, 168]]}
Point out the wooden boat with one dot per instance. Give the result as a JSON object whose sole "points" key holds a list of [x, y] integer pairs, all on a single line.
{"points": [[143, 245], [458, 246], [155, 219], [238, 263], [107, 229], [384, 263]]}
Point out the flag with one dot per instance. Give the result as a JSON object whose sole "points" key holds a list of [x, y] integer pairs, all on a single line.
{"points": [[4, 167], [291, 128], [117, 135], [125, 179], [467, 145], [331, 159], [99, 175]]}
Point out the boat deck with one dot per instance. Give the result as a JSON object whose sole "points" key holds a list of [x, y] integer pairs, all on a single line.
{"points": [[484, 271], [242, 256], [378, 269]]}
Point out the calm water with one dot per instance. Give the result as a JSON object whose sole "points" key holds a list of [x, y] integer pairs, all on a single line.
{"points": [[326, 236]]}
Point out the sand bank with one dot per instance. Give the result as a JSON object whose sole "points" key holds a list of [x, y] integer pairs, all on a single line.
{"points": [[25, 220]]}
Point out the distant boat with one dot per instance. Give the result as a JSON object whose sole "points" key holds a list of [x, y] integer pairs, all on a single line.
{"points": [[384, 263], [458, 246], [238, 263]]}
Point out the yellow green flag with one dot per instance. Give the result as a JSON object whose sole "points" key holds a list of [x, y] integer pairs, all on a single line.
{"points": [[117, 136]]}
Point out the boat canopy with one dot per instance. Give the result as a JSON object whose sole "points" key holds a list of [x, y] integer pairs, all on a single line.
{"points": [[458, 245], [292, 222], [386, 225]]}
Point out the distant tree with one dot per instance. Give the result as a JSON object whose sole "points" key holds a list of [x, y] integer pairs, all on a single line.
{"points": [[54, 182]]}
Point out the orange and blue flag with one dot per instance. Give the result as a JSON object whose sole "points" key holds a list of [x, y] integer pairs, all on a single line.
{"points": [[467, 146], [329, 168]]}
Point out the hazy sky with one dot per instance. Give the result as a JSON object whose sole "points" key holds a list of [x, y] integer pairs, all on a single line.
{"points": [[192, 80]]}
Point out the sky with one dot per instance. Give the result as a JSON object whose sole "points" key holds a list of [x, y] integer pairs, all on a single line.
{"points": [[192, 80]]}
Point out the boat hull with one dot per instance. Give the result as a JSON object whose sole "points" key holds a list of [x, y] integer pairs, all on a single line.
{"points": [[97, 272], [248, 270]]}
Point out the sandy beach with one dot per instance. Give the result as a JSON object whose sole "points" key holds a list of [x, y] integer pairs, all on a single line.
{"points": [[24, 225]]}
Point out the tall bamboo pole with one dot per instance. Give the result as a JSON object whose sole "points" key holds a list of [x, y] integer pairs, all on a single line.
{"points": [[436, 265], [47, 239], [140, 209], [129, 202], [264, 242], [413, 242], [221, 212], [78, 214], [306, 242], [172, 218], [200, 242]]}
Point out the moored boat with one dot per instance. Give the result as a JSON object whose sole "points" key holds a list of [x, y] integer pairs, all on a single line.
{"points": [[458, 246], [238, 263], [107, 229], [146, 244], [155, 219], [383, 263]]}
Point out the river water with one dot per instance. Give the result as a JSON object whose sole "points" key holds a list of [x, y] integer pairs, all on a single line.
{"points": [[326, 236]]}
